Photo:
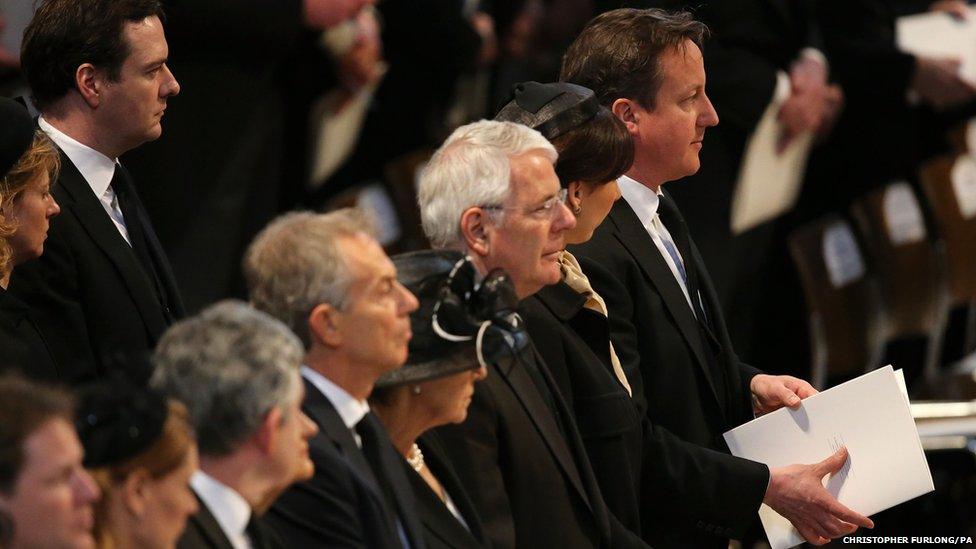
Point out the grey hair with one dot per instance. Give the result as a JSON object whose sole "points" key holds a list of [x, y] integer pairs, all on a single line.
{"points": [[293, 265], [230, 365], [472, 168]]}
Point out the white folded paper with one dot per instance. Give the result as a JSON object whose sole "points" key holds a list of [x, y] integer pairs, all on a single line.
{"points": [[939, 34], [869, 415], [769, 181]]}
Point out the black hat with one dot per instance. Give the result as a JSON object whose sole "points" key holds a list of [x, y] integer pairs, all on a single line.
{"points": [[551, 109], [117, 420], [461, 323], [16, 133]]}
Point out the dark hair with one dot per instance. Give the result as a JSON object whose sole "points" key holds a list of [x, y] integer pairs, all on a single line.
{"points": [[24, 408], [65, 34], [618, 53], [596, 152]]}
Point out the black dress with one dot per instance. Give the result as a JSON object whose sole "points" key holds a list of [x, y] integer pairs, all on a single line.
{"points": [[22, 347], [442, 530]]}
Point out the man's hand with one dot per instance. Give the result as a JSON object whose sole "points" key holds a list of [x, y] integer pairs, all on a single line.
{"points": [[937, 82], [797, 493], [323, 14], [811, 104], [956, 8], [773, 392]]}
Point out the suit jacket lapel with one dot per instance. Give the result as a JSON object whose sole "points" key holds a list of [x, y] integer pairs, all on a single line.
{"points": [[324, 414], [528, 395], [634, 238], [208, 527], [75, 195]]}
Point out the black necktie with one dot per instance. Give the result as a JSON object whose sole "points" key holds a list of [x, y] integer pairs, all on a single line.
{"points": [[372, 435], [675, 224], [255, 534], [137, 234]]}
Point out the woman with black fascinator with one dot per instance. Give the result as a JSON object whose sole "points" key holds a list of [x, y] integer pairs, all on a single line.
{"points": [[461, 325], [568, 320], [29, 162], [141, 451]]}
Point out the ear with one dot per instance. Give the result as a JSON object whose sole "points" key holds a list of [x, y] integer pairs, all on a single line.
{"points": [[134, 491], [89, 82], [267, 435], [628, 112], [324, 325], [475, 231], [577, 192]]}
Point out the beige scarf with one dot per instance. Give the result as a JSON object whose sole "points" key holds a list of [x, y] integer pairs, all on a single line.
{"points": [[573, 276]]}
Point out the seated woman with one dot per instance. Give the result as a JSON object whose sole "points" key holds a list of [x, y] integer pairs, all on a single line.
{"points": [[459, 327], [568, 320], [29, 161], [141, 451]]}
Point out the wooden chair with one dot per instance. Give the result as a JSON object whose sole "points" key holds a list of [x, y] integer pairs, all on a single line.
{"points": [[910, 266], [846, 330], [959, 234]]}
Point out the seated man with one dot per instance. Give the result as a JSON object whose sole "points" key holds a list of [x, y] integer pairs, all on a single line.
{"points": [[327, 278], [491, 192], [44, 492], [236, 369]]}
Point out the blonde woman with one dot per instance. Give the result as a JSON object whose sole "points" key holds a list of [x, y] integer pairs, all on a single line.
{"points": [[29, 162]]}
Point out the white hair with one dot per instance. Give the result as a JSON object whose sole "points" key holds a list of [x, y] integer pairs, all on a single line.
{"points": [[472, 168]]}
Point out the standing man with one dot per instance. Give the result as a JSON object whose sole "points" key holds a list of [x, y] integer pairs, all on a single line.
{"points": [[491, 192], [666, 324], [103, 288], [236, 369], [46, 497], [328, 279]]}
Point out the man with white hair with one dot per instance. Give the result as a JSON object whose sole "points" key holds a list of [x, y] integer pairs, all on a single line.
{"points": [[326, 277], [491, 192], [236, 369]]}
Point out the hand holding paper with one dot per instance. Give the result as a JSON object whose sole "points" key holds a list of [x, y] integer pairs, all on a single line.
{"points": [[797, 493], [771, 393]]}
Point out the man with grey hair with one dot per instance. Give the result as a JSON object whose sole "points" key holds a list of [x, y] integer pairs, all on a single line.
{"points": [[327, 278], [236, 369], [491, 192]]}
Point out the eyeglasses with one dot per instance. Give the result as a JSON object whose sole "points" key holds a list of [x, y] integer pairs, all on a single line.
{"points": [[547, 209]]}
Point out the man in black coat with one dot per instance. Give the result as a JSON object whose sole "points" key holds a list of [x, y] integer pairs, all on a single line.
{"points": [[491, 191], [663, 311], [331, 282], [236, 369], [103, 288]]}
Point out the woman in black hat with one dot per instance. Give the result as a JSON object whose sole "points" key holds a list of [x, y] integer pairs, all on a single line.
{"points": [[568, 320], [461, 325], [29, 162], [141, 451]]}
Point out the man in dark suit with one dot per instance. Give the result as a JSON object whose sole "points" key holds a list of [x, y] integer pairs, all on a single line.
{"points": [[236, 369], [330, 281], [491, 191], [103, 288], [666, 324]]}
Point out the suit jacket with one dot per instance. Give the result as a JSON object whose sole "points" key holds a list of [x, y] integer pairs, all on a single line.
{"points": [[24, 348], [524, 464], [442, 530], [204, 532], [575, 343], [343, 505], [88, 293], [703, 494]]}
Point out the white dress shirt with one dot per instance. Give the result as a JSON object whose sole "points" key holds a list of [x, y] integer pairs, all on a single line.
{"points": [[350, 409], [644, 202], [96, 168], [230, 510]]}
